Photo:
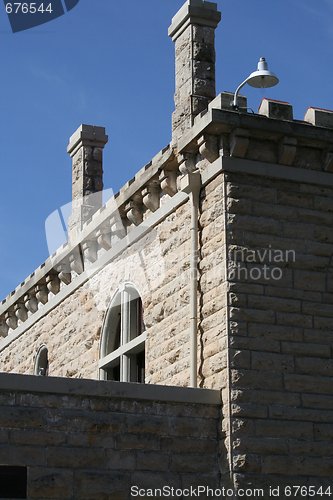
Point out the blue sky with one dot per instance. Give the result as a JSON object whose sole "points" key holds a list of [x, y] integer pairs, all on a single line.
{"points": [[111, 63]]}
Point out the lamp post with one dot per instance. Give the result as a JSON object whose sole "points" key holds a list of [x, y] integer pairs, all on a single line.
{"points": [[261, 78]]}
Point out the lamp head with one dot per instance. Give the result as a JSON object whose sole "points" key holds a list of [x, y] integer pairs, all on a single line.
{"points": [[262, 78]]}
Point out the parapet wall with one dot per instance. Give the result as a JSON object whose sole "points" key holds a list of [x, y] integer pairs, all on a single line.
{"points": [[91, 440], [272, 136]]}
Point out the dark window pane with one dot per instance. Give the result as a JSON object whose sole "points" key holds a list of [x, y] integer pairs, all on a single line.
{"points": [[117, 333], [140, 365], [113, 373], [13, 482], [136, 318]]}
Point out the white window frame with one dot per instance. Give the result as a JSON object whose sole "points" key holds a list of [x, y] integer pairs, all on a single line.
{"points": [[123, 355], [42, 352]]}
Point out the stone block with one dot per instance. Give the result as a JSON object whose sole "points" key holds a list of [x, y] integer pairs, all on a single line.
{"points": [[61, 456], [87, 134], [188, 445], [249, 410], [323, 432], [308, 384], [120, 460], [303, 349], [152, 461], [225, 100], [50, 483], [190, 462], [21, 455], [253, 379], [276, 109], [317, 401], [137, 442], [247, 462], [284, 429], [204, 70], [293, 319], [272, 361], [308, 280], [195, 13], [265, 397], [92, 484], [319, 117]]}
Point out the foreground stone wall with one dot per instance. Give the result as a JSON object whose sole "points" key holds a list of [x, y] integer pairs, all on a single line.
{"points": [[281, 332], [93, 440]]}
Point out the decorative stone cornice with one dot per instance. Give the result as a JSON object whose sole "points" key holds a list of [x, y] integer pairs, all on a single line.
{"points": [[187, 163], [31, 302], [168, 180], [134, 210], [151, 195], [275, 138], [53, 283], [239, 143], [42, 294], [208, 147], [287, 150]]}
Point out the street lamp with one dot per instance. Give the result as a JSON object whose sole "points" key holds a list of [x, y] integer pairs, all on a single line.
{"points": [[261, 78]]}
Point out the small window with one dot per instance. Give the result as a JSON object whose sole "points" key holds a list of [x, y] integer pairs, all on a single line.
{"points": [[13, 482], [42, 362], [123, 339]]}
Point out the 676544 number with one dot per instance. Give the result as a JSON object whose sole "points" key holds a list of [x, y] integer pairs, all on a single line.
{"points": [[28, 8]]}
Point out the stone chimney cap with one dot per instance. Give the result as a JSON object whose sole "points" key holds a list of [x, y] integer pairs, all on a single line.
{"points": [[88, 135], [194, 12]]}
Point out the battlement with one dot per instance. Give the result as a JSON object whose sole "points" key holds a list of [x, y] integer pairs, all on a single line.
{"points": [[269, 137], [110, 224]]}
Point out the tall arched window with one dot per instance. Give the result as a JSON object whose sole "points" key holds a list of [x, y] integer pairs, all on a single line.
{"points": [[42, 362], [122, 354]]}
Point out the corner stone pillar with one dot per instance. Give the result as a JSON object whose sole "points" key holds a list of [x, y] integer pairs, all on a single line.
{"points": [[193, 32], [86, 150]]}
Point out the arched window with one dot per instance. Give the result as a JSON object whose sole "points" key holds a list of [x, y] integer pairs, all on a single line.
{"points": [[122, 355], [42, 362]]}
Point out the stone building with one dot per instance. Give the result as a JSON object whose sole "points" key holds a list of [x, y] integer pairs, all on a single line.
{"points": [[211, 268]]}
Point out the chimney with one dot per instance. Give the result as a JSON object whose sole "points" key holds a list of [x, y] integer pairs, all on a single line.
{"points": [[193, 31], [86, 150]]}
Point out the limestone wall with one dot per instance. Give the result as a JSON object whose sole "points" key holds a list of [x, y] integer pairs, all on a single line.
{"points": [[158, 265], [281, 332], [71, 333], [94, 440]]}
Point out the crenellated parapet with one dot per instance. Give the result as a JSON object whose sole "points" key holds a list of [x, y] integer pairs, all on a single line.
{"points": [[270, 137], [100, 233]]}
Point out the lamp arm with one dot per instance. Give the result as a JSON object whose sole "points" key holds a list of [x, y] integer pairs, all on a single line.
{"points": [[234, 103]]}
